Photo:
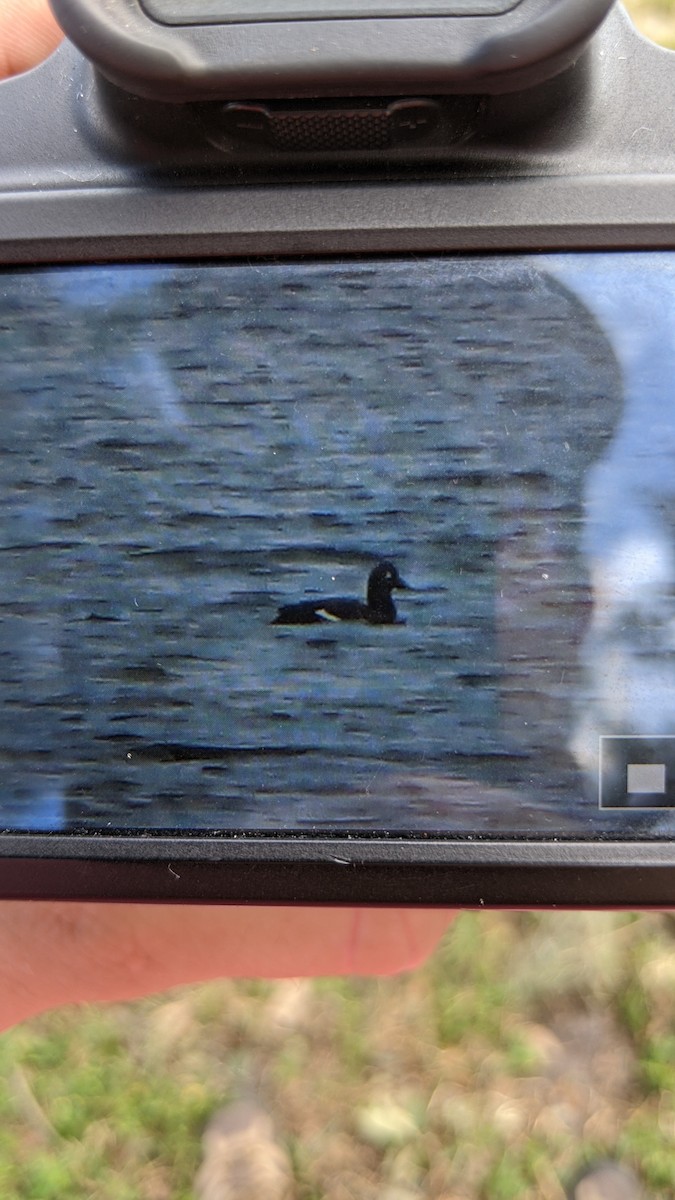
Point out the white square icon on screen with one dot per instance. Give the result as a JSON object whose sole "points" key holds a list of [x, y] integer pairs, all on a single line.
{"points": [[646, 778]]}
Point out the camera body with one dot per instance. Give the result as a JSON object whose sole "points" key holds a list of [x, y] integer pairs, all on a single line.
{"points": [[420, 162]]}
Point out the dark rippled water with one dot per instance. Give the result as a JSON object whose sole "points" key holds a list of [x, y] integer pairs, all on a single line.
{"points": [[183, 450]]}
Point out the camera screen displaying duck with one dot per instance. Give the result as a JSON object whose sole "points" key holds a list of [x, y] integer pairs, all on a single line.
{"points": [[372, 546]]}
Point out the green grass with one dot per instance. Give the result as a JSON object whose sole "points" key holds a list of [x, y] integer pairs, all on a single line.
{"points": [[86, 1112]]}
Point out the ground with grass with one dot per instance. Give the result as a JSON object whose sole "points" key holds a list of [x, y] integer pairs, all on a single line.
{"points": [[528, 1046]]}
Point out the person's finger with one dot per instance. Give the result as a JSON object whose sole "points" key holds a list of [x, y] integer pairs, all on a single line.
{"points": [[59, 953], [28, 34]]}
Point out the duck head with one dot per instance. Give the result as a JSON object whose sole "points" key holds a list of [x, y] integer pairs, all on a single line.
{"points": [[382, 580]]}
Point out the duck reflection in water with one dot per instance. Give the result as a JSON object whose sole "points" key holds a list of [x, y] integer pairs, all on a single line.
{"points": [[377, 609]]}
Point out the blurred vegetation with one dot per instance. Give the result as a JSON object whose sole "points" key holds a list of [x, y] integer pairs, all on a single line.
{"points": [[655, 18], [528, 1046]]}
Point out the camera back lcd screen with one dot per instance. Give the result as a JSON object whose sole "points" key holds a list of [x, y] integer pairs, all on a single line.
{"points": [[379, 546]]}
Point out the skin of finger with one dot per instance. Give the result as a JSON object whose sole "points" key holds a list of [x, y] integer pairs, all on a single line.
{"points": [[28, 34], [67, 952]]}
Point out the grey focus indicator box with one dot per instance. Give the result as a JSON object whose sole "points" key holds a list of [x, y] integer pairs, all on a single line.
{"points": [[637, 772]]}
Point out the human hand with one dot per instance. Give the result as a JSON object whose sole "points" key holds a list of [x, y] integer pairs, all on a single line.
{"points": [[28, 33], [54, 953]]}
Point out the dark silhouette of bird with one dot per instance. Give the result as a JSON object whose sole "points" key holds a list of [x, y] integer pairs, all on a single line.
{"points": [[377, 609]]}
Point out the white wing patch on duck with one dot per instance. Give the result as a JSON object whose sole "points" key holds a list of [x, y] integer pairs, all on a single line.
{"points": [[325, 615]]}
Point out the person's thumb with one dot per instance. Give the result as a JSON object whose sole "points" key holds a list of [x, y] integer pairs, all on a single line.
{"points": [[28, 34]]}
